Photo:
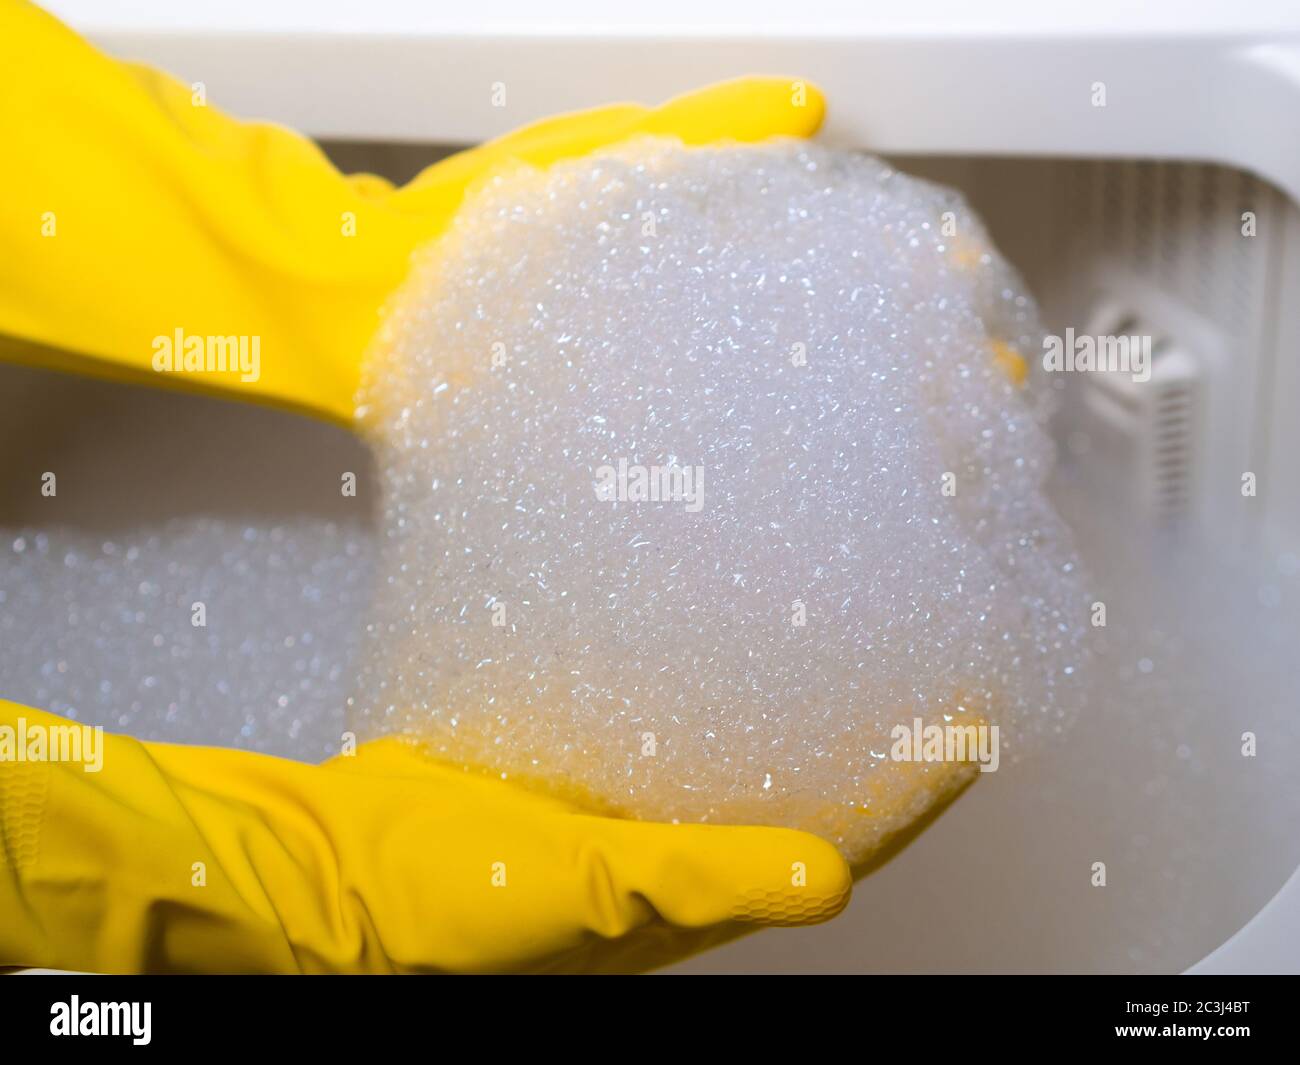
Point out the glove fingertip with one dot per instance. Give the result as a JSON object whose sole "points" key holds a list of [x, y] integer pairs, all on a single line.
{"points": [[744, 109], [804, 880]]}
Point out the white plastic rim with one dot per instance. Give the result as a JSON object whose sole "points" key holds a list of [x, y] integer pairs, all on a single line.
{"points": [[1198, 80], [1268, 944]]}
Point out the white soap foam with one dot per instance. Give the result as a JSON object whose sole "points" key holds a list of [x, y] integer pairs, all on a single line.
{"points": [[102, 628], [863, 538]]}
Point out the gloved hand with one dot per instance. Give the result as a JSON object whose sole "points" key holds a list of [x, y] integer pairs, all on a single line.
{"points": [[174, 858], [129, 213]]}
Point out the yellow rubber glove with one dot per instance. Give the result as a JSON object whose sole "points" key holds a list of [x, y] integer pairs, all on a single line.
{"points": [[173, 858], [131, 211]]}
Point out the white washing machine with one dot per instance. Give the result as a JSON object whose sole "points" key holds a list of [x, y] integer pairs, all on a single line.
{"points": [[1139, 164]]}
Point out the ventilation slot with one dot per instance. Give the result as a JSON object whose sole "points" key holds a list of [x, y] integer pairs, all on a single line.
{"points": [[1145, 415]]}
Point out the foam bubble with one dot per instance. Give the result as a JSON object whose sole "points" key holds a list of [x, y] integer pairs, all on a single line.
{"points": [[860, 535], [101, 626]]}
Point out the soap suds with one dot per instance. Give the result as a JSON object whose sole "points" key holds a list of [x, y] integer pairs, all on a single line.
{"points": [[807, 341], [196, 630]]}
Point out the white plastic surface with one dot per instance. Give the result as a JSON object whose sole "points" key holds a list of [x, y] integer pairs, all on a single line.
{"points": [[1185, 79], [1269, 944]]}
